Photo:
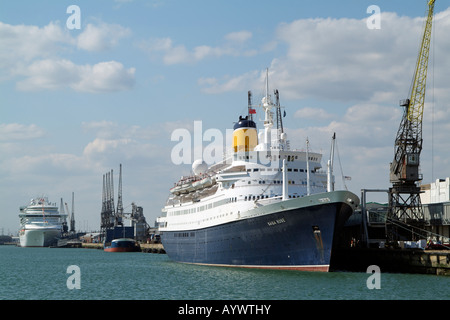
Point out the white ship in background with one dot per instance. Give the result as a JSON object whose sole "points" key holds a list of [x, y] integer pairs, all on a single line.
{"points": [[41, 223]]}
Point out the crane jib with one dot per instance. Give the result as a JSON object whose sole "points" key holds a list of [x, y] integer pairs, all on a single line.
{"points": [[417, 100]]}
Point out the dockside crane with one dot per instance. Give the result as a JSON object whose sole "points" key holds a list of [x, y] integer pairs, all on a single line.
{"points": [[108, 216], [405, 215], [119, 209], [72, 216]]}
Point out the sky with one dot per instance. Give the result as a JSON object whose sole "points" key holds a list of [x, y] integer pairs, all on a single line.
{"points": [[83, 91]]}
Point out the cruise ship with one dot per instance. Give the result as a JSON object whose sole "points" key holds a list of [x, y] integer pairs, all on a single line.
{"points": [[263, 206], [41, 223]]}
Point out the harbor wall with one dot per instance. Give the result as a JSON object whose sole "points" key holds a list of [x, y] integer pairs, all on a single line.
{"points": [[152, 248], [392, 260]]}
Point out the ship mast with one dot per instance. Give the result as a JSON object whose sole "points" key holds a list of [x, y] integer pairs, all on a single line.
{"points": [[308, 184], [270, 139], [267, 106], [330, 177]]}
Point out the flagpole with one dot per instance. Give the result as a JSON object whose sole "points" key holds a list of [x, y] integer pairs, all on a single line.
{"points": [[308, 187]]}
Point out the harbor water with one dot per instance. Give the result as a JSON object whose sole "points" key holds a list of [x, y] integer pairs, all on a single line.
{"points": [[46, 274]]}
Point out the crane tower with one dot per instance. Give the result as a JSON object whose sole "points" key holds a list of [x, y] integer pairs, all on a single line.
{"points": [[405, 208]]}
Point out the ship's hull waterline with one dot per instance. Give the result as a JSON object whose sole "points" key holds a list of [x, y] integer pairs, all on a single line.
{"points": [[296, 234], [39, 237]]}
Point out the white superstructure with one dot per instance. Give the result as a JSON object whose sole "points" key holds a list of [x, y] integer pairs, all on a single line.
{"points": [[260, 170], [41, 223], [435, 192]]}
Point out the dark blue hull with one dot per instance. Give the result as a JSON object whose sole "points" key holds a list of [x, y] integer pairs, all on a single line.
{"points": [[300, 239], [123, 245]]}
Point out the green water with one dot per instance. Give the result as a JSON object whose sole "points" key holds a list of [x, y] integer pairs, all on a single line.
{"points": [[41, 273]]}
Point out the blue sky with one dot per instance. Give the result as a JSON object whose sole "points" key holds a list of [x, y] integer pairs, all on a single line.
{"points": [[76, 103]]}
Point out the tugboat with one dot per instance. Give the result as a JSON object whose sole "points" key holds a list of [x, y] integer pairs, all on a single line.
{"points": [[123, 245]]}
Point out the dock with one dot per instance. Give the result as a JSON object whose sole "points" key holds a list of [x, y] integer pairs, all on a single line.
{"points": [[92, 245], [420, 261], [152, 248]]}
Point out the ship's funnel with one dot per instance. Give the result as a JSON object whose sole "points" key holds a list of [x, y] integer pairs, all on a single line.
{"points": [[245, 137]]}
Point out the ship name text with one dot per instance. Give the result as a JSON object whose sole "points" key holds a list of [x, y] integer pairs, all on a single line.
{"points": [[275, 222]]}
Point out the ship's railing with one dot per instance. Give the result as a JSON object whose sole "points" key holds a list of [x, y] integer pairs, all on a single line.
{"points": [[265, 201], [192, 196]]}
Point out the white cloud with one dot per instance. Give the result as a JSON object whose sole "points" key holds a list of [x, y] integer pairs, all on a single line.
{"points": [[362, 126], [102, 37], [239, 36], [342, 60], [104, 147], [106, 77], [109, 130], [35, 53], [23, 43], [313, 114], [113, 143], [214, 86], [234, 45], [26, 42], [16, 131], [57, 74]]}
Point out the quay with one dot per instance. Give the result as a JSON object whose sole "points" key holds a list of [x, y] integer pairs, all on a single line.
{"points": [[421, 261], [152, 248], [92, 245]]}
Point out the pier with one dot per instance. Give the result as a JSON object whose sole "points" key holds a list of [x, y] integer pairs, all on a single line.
{"points": [[152, 248], [421, 261]]}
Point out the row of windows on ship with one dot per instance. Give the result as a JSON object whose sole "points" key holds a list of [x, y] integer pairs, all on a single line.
{"points": [[274, 157], [304, 182], [224, 201], [278, 169]]}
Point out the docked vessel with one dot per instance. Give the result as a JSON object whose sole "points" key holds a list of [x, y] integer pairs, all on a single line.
{"points": [[263, 206], [41, 223], [123, 245]]}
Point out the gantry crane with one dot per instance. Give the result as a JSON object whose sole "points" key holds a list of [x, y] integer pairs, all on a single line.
{"points": [[72, 216], [405, 208]]}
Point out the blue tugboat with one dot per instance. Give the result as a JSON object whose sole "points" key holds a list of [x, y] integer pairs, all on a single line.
{"points": [[123, 245]]}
